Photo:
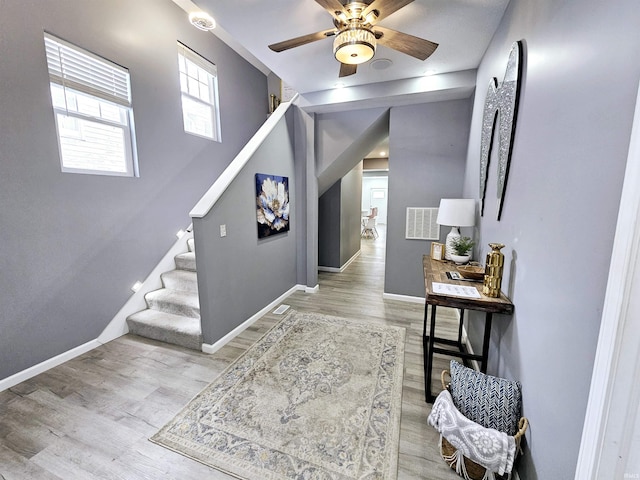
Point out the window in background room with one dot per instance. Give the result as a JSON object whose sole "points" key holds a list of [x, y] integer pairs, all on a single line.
{"points": [[199, 86], [91, 100]]}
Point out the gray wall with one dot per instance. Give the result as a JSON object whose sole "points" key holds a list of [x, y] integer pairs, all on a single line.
{"points": [[580, 82], [336, 132], [329, 240], [344, 139], [427, 152], [339, 220], [307, 194], [351, 214], [71, 246], [239, 274]]}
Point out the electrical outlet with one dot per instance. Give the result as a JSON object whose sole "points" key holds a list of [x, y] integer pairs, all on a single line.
{"points": [[223, 230]]}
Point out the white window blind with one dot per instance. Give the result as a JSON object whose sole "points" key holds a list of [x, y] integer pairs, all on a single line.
{"points": [[199, 87], [421, 224], [91, 100], [80, 70]]}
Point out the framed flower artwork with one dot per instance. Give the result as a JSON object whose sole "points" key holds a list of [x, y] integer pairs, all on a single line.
{"points": [[272, 204]]}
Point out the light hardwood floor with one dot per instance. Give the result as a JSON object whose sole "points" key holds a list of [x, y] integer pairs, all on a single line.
{"points": [[91, 417]]}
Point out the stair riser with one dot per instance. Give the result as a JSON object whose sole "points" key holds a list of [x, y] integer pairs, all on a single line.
{"points": [[173, 307], [180, 283], [186, 263], [193, 342]]}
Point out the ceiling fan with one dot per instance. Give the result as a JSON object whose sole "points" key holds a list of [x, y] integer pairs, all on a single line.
{"points": [[357, 33]]}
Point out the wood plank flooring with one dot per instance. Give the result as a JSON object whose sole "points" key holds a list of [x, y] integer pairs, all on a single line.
{"points": [[91, 417]]}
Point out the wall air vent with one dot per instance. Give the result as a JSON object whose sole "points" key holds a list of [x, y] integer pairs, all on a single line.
{"points": [[421, 224]]}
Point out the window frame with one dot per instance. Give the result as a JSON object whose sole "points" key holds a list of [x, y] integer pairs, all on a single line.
{"points": [[81, 80], [210, 69]]}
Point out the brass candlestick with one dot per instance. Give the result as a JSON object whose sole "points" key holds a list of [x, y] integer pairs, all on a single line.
{"points": [[493, 271]]}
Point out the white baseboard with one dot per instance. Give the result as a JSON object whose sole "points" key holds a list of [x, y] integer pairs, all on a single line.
{"points": [[402, 298], [342, 268], [213, 348], [30, 372]]}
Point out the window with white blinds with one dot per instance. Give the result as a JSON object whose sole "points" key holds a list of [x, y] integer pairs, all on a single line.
{"points": [[91, 100], [199, 87]]}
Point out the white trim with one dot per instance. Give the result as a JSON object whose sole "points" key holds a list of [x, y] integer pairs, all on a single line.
{"points": [[315, 289], [402, 298], [31, 372], [213, 348], [118, 325], [226, 177], [610, 381], [342, 268]]}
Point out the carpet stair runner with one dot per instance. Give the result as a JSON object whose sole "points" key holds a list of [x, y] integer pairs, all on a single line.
{"points": [[173, 312]]}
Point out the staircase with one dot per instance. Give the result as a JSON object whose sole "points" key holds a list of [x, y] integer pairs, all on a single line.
{"points": [[173, 312]]}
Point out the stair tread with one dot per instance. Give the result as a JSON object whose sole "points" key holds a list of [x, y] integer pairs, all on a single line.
{"points": [[176, 322]]}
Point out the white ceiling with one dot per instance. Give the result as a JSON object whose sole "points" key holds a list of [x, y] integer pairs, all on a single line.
{"points": [[462, 28]]}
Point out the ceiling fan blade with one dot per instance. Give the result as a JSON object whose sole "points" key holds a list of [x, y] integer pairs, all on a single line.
{"points": [[385, 7], [403, 42], [346, 70], [303, 40], [332, 6]]}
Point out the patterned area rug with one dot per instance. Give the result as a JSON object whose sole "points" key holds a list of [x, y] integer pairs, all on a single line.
{"points": [[317, 397]]}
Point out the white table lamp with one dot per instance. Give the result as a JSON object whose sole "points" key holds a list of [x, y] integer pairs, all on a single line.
{"points": [[456, 213]]}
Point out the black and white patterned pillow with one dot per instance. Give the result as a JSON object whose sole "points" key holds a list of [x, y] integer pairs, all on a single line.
{"points": [[490, 401]]}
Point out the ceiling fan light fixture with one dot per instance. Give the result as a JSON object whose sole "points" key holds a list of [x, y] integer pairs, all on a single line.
{"points": [[202, 21], [354, 46]]}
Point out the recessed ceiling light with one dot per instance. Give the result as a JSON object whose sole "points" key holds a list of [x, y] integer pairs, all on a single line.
{"points": [[339, 85], [383, 153], [381, 64]]}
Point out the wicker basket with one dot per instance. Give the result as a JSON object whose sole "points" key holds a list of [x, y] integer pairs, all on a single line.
{"points": [[475, 471], [472, 272]]}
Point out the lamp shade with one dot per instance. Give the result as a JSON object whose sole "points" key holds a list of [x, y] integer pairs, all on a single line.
{"points": [[457, 212], [354, 46]]}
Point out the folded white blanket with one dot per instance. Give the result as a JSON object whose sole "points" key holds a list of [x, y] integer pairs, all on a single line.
{"points": [[490, 448]]}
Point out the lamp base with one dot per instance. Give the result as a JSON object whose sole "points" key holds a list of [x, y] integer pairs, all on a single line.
{"points": [[453, 235]]}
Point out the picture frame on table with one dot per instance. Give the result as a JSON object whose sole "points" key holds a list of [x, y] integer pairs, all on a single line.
{"points": [[437, 251]]}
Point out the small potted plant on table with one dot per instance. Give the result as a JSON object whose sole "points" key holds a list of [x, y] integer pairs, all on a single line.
{"points": [[462, 248]]}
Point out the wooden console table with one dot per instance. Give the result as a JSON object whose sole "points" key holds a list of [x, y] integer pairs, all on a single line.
{"points": [[436, 271]]}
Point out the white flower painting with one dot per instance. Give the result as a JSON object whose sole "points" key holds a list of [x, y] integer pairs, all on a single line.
{"points": [[272, 202]]}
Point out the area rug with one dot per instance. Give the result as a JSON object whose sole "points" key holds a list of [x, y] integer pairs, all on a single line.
{"points": [[317, 397]]}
